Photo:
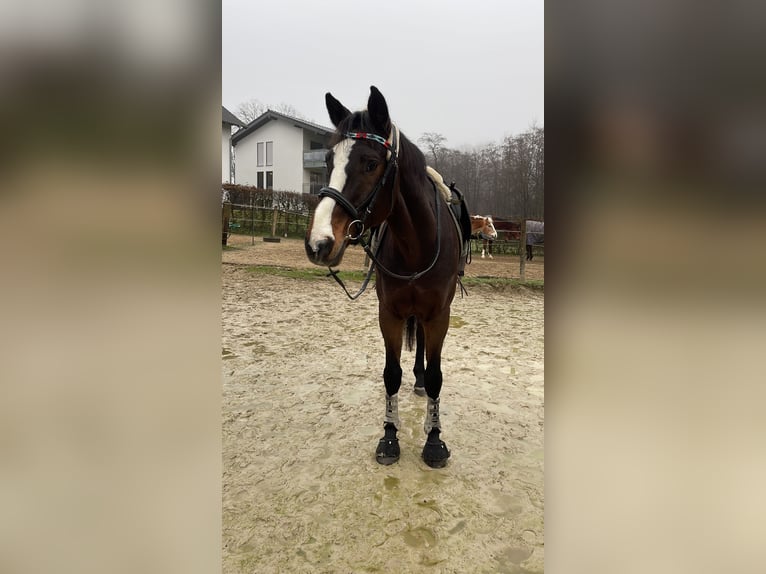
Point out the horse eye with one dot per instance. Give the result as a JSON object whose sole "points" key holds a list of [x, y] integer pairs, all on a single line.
{"points": [[371, 165]]}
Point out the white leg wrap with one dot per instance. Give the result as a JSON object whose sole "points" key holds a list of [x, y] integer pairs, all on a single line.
{"points": [[432, 416], [392, 410]]}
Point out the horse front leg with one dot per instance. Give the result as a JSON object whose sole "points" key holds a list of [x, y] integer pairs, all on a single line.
{"points": [[435, 451], [388, 446]]}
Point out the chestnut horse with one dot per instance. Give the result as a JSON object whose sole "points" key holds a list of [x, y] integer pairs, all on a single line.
{"points": [[483, 228], [378, 181]]}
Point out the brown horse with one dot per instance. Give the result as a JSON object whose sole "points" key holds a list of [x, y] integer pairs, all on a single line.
{"points": [[378, 181], [483, 228]]}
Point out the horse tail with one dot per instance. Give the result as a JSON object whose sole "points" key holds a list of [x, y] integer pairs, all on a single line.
{"points": [[411, 329]]}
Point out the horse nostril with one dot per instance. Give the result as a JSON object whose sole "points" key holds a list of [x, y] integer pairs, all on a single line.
{"points": [[323, 249]]}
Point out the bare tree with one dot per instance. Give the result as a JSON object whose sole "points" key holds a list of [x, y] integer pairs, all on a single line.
{"points": [[505, 179], [537, 137], [288, 110], [434, 144], [490, 161], [524, 173], [253, 108]]}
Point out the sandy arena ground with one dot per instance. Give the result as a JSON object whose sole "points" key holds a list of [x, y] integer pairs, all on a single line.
{"points": [[303, 405]]}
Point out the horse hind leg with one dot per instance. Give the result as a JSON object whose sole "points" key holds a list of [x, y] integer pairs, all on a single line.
{"points": [[419, 368]]}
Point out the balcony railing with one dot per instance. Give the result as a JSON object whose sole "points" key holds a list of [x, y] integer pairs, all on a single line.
{"points": [[313, 188], [314, 158]]}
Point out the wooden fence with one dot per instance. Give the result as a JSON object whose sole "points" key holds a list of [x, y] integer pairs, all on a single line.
{"points": [[267, 212], [280, 214], [252, 220], [511, 242]]}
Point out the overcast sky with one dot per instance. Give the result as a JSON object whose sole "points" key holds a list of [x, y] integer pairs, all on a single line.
{"points": [[471, 70]]}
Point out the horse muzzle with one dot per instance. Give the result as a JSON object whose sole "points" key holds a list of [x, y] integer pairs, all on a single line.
{"points": [[321, 252]]}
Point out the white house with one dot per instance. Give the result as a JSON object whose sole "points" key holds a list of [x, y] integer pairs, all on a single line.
{"points": [[229, 120], [276, 151]]}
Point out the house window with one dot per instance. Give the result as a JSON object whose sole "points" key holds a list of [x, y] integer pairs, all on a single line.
{"points": [[259, 154], [317, 182], [269, 180], [260, 180], [269, 153]]}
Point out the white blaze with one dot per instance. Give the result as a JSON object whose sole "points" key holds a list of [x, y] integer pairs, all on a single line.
{"points": [[493, 231], [322, 228]]}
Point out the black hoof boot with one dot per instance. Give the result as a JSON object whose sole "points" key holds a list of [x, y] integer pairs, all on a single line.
{"points": [[388, 447], [420, 385], [435, 452]]}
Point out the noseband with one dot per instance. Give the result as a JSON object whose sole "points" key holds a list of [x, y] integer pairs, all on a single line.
{"points": [[360, 215]]}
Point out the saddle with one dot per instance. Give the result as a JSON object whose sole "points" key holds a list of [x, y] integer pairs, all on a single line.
{"points": [[458, 209]]}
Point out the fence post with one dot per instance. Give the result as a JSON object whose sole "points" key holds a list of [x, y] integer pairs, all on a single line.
{"points": [[523, 251], [274, 223]]}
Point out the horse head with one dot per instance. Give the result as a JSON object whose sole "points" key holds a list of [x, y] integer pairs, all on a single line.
{"points": [[483, 226], [489, 228], [361, 164]]}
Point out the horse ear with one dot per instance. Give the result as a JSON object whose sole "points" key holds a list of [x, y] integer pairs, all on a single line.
{"points": [[338, 112], [378, 110]]}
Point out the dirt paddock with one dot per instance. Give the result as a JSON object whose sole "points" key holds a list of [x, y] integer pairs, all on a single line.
{"points": [[303, 405]]}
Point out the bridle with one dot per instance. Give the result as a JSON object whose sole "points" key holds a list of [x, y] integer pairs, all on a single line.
{"points": [[360, 214], [392, 162]]}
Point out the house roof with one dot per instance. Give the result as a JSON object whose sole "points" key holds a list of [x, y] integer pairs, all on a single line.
{"points": [[231, 119], [271, 115]]}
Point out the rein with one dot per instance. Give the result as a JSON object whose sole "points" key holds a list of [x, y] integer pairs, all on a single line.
{"points": [[368, 250], [367, 206]]}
